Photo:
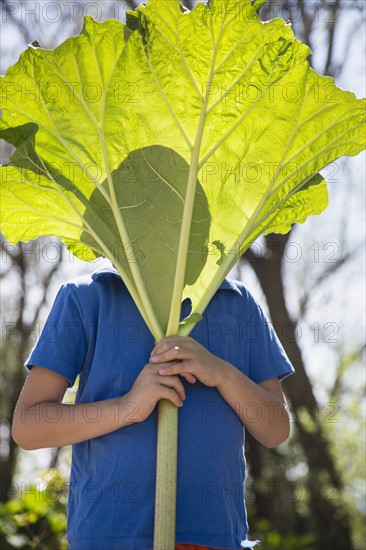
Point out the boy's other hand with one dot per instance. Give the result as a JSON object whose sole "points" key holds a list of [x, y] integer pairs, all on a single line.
{"points": [[149, 387], [190, 360]]}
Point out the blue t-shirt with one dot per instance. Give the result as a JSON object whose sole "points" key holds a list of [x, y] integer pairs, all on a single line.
{"points": [[95, 330]]}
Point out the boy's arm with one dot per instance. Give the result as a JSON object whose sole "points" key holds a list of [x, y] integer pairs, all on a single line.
{"points": [[261, 407], [42, 420]]}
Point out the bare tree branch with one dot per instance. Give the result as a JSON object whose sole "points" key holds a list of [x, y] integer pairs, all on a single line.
{"points": [[345, 363], [339, 64], [332, 29], [331, 269], [307, 21], [130, 4], [46, 281], [10, 15]]}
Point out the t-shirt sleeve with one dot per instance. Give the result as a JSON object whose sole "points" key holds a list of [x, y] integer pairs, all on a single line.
{"points": [[62, 344], [267, 358]]}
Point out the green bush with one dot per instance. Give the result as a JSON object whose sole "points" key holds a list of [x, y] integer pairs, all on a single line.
{"points": [[36, 518]]}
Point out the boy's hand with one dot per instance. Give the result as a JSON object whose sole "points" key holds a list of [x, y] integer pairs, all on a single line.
{"points": [[191, 360], [149, 387]]}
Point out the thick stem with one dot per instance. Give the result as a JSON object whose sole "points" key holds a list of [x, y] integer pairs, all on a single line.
{"points": [[166, 476], [180, 271], [167, 445]]}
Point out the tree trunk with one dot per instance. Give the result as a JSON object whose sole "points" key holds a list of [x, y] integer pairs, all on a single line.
{"points": [[330, 519], [8, 462]]}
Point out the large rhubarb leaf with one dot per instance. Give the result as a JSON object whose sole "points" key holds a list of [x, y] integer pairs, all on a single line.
{"points": [[170, 144]]}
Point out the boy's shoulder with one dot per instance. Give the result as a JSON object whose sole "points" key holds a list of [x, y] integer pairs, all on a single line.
{"points": [[91, 289], [233, 298], [235, 286], [87, 280]]}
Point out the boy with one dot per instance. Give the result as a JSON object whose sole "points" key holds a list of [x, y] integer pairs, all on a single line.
{"points": [[223, 378]]}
